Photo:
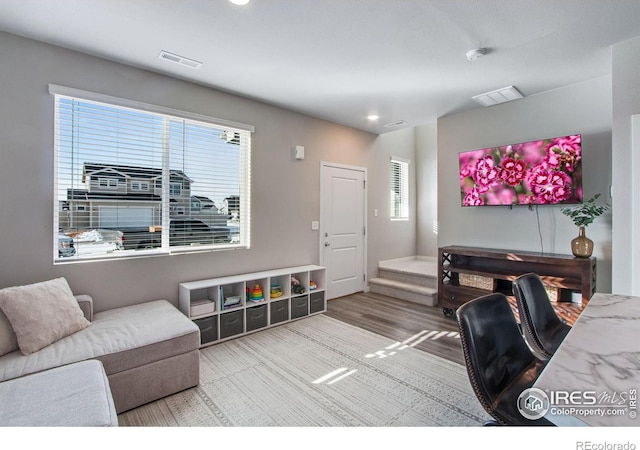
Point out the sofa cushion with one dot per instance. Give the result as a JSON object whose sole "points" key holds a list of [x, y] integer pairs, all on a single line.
{"points": [[69, 396], [8, 340], [122, 338], [42, 313]]}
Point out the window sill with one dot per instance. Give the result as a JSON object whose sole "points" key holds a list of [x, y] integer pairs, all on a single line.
{"points": [[135, 254]]}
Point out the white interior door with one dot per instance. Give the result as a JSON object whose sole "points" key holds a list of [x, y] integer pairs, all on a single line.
{"points": [[343, 228]]}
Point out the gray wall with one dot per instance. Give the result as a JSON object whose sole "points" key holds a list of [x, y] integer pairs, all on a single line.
{"points": [[285, 192], [427, 186], [625, 169], [582, 108], [394, 239]]}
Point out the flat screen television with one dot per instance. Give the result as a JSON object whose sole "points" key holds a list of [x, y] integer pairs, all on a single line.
{"points": [[544, 172]]}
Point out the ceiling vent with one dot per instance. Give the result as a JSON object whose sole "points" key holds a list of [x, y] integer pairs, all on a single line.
{"points": [[179, 59], [498, 96], [396, 124]]}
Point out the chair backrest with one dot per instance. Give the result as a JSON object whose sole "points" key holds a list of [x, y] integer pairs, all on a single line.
{"points": [[537, 315], [494, 350]]}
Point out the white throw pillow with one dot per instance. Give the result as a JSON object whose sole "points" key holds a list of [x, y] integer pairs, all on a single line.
{"points": [[8, 341], [42, 313]]}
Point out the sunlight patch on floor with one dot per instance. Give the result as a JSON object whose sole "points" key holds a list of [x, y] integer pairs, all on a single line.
{"points": [[414, 340], [335, 376], [390, 350]]}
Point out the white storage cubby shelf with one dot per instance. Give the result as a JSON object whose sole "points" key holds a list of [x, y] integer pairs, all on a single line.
{"points": [[225, 308]]}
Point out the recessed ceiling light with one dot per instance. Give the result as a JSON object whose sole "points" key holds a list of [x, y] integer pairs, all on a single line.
{"points": [[240, 2], [373, 117]]}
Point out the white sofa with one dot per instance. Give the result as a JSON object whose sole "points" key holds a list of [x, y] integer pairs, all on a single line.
{"points": [[148, 351]]}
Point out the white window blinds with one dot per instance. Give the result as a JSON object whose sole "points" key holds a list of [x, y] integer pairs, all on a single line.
{"points": [[399, 188], [131, 181]]}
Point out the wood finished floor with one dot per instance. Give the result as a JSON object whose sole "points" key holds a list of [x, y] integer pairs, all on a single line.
{"points": [[423, 327], [402, 320]]}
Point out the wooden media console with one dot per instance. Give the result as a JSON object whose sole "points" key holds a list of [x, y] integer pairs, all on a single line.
{"points": [[465, 273]]}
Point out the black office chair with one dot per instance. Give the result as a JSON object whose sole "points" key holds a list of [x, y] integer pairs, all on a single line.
{"points": [[543, 330], [499, 363]]}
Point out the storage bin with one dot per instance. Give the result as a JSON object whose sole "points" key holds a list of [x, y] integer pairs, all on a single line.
{"points": [[200, 307], [231, 323], [256, 317], [299, 306], [477, 281], [279, 311], [316, 302], [552, 293], [208, 329]]}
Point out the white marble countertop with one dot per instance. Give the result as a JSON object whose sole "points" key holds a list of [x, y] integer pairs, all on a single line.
{"points": [[598, 363]]}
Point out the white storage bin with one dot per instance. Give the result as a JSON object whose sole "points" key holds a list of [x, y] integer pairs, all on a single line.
{"points": [[202, 306]]}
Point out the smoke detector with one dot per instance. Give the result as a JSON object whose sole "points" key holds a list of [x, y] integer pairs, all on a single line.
{"points": [[476, 53]]}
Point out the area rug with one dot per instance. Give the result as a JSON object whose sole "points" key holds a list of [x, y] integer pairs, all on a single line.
{"points": [[317, 372]]}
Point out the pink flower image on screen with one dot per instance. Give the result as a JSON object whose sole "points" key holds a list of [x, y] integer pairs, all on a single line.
{"points": [[539, 172]]}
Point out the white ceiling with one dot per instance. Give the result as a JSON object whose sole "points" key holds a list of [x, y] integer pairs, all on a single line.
{"points": [[342, 60]]}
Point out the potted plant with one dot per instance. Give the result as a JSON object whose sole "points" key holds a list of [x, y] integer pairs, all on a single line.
{"points": [[583, 215]]}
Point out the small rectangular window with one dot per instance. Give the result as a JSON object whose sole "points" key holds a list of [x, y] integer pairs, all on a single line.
{"points": [[399, 178], [139, 186], [175, 189], [108, 183]]}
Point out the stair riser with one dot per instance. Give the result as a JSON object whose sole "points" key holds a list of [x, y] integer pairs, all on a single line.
{"points": [[428, 300], [419, 280]]}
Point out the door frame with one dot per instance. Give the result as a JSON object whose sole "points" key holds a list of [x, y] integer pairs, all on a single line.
{"points": [[324, 165]]}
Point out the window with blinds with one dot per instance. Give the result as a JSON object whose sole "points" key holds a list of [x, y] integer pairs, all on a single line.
{"points": [[399, 189], [133, 179]]}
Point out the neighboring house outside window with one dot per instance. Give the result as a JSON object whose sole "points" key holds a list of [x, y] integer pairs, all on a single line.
{"points": [[129, 172], [399, 180]]}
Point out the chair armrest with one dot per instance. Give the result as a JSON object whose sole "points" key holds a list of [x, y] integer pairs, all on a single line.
{"points": [[86, 305]]}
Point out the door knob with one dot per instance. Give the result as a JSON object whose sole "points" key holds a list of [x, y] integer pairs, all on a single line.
{"points": [[326, 244]]}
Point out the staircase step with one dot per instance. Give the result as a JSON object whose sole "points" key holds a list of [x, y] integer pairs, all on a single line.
{"points": [[419, 270], [420, 279], [405, 291]]}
